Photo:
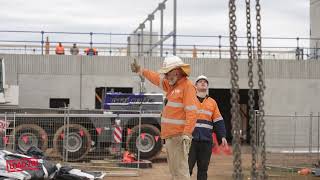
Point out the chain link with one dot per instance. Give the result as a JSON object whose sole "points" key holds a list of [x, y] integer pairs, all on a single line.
{"points": [[237, 173], [261, 93], [251, 95]]}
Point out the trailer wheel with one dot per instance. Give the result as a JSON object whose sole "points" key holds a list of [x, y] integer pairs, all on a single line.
{"points": [[77, 143], [28, 135], [149, 146]]}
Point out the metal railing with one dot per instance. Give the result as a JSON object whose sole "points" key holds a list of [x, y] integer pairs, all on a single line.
{"points": [[100, 139], [292, 141], [117, 44]]}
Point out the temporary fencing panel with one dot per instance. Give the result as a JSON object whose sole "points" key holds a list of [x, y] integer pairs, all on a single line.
{"points": [[104, 141]]}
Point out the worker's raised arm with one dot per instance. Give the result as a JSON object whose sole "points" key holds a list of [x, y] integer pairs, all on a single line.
{"points": [[154, 77]]}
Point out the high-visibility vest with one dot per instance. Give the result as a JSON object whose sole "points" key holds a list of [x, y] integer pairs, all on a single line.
{"points": [[180, 112], [91, 51], [208, 117], [59, 49]]}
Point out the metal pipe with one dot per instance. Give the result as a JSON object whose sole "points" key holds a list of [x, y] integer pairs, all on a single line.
{"points": [[42, 42], [310, 135], [129, 46], [318, 136], [150, 39], [174, 44], [142, 26], [151, 18], [80, 90], [91, 39], [64, 135], [162, 40], [298, 50], [142, 51], [153, 12], [219, 46], [68, 132], [161, 7], [294, 133], [316, 50], [110, 51], [138, 44]]}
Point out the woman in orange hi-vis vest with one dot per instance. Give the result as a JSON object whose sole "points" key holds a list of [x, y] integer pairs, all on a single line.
{"points": [[179, 113]]}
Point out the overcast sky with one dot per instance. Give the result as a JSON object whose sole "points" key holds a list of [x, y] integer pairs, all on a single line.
{"points": [[280, 18]]}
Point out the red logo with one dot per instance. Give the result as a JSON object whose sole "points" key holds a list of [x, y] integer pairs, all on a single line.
{"points": [[3, 125], [22, 164]]}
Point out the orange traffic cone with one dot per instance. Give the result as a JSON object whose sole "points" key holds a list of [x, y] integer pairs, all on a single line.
{"points": [[304, 171], [127, 157]]}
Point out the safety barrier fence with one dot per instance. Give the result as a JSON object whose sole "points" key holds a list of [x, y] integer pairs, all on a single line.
{"points": [[92, 141], [114, 141], [118, 44], [292, 143]]}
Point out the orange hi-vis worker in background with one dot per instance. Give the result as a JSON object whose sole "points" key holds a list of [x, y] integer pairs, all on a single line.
{"points": [[179, 113], [59, 49], [91, 51]]}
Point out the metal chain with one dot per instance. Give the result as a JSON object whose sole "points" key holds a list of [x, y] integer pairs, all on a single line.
{"points": [[251, 95], [237, 169], [261, 93]]}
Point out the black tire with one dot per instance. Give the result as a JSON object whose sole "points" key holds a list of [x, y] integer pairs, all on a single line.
{"points": [[36, 136], [149, 147], [78, 145]]}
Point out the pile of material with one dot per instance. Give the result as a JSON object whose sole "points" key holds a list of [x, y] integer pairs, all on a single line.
{"points": [[33, 165]]}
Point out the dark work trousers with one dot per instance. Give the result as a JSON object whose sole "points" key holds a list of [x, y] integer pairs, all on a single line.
{"points": [[200, 153]]}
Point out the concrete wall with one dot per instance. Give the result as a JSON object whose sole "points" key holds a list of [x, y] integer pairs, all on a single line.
{"points": [[291, 86], [315, 28]]}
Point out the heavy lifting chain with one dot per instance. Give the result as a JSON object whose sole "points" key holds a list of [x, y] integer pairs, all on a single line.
{"points": [[237, 173], [251, 95], [261, 93]]}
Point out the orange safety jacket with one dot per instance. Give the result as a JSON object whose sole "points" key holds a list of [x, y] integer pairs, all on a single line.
{"points": [[59, 49], [179, 114], [91, 51], [208, 117]]}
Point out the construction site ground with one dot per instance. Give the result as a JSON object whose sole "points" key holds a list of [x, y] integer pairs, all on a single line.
{"points": [[221, 168]]}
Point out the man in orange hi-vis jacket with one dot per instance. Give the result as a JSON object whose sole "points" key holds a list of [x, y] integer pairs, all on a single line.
{"points": [[179, 113], [209, 119]]}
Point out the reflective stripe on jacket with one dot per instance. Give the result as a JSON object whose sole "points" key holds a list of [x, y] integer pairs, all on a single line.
{"points": [[180, 113], [209, 117]]}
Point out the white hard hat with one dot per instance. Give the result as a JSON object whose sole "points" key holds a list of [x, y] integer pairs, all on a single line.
{"points": [[173, 62], [202, 77]]}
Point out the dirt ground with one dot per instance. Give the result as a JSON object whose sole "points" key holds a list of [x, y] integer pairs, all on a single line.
{"points": [[220, 168]]}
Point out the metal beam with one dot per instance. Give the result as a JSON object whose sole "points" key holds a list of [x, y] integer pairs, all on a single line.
{"points": [[153, 12], [150, 18], [174, 44], [162, 40], [161, 6]]}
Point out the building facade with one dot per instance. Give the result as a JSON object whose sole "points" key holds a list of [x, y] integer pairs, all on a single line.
{"points": [[292, 87], [315, 28]]}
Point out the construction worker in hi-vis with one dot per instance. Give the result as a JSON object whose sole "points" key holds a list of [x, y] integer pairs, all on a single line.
{"points": [[179, 114], [209, 118]]}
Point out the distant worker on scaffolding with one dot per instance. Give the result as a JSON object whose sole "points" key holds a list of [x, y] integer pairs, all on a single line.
{"points": [[59, 49], [91, 51]]}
